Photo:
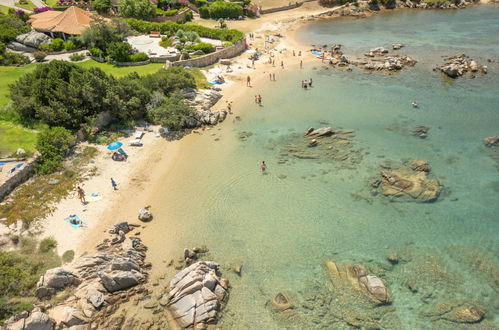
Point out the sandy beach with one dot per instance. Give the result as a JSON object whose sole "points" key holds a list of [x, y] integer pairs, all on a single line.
{"points": [[138, 177]]}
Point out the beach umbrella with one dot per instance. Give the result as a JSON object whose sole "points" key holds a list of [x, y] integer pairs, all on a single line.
{"points": [[114, 145], [215, 70]]}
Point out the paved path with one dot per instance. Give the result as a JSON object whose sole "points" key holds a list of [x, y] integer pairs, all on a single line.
{"points": [[12, 4]]}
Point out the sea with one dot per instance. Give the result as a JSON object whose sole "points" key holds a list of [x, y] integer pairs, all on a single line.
{"points": [[311, 206]]}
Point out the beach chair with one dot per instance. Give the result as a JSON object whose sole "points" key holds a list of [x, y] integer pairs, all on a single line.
{"points": [[136, 143], [139, 135]]}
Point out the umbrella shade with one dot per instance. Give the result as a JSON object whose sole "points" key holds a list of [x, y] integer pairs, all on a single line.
{"points": [[114, 145]]}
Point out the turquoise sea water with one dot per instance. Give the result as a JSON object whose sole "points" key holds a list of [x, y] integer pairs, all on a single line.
{"points": [[282, 226]]}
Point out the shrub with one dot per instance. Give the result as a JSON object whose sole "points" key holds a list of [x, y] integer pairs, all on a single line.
{"points": [[173, 112], [171, 28], [192, 36], [171, 12], [96, 52], [139, 57], [203, 46], [68, 256], [69, 45], [39, 56], [45, 48], [57, 44], [42, 9], [204, 12], [47, 244], [76, 57], [11, 26], [102, 34], [222, 9], [102, 6], [52, 144], [165, 42], [119, 51], [189, 16]]}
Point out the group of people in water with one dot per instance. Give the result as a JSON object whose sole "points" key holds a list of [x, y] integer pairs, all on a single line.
{"points": [[306, 83]]}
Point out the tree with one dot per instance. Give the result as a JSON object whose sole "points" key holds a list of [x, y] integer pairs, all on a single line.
{"points": [[120, 51], [173, 112], [169, 80], [61, 94], [102, 33], [52, 144], [102, 6], [141, 9]]}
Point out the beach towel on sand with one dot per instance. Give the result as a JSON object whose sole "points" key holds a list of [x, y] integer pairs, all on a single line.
{"points": [[73, 224]]}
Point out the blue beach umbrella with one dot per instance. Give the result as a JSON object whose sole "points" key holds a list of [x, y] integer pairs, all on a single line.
{"points": [[114, 145]]}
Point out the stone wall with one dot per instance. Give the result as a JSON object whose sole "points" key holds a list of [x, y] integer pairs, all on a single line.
{"points": [[16, 179], [228, 52], [276, 9]]}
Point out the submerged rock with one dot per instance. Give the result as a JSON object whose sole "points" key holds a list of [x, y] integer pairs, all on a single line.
{"points": [[282, 301], [491, 141], [454, 311], [409, 183], [421, 131], [323, 131], [356, 276]]}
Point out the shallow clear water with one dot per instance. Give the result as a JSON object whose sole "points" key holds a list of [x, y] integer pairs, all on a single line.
{"points": [[282, 226]]}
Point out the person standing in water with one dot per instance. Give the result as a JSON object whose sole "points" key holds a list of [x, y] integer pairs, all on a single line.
{"points": [[263, 166], [310, 83], [301, 64]]}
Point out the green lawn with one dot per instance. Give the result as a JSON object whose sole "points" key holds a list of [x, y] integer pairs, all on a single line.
{"points": [[28, 4], [120, 71], [13, 136], [51, 3], [4, 9], [9, 75]]}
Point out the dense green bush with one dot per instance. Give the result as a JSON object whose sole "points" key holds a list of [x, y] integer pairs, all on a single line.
{"points": [[222, 9], [139, 57], [45, 48], [11, 26], [102, 6], [57, 44], [76, 57], [69, 46], [203, 46], [189, 16], [102, 34], [119, 51], [142, 9], [171, 28], [165, 42], [47, 244], [96, 52], [63, 94], [8, 58], [172, 113], [52, 144], [39, 56]]}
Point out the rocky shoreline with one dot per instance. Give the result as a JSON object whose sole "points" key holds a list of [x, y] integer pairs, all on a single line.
{"points": [[93, 292]]}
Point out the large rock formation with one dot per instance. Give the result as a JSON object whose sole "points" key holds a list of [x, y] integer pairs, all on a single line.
{"points": [[356, 276], [491, 141], [457, 66], [33, 39], [409, 183], [202, 100], [196, 294], [54, 279], [34, 320]]}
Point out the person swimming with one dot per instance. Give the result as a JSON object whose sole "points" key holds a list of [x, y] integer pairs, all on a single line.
{"points": [[263, 166], [414, 104]]}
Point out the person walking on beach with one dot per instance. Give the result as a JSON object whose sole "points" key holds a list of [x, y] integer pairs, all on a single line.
{"points": [[273, 76], [270, 76], [301, 64], [81, 194], [310, 83], [299, 53], [263, 166], [282, 65], [248, 81], [114, 184], [273, 63]]}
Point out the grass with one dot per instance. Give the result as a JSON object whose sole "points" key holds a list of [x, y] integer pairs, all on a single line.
{"points": [[120, 71], [201, 82], [27, 4], [13, 137], [9, 75], [4, 10], [36, 199], [51, 3]]}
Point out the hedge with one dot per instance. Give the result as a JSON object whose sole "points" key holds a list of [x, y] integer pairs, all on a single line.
{"points": [[171, 28], [203, 46]]}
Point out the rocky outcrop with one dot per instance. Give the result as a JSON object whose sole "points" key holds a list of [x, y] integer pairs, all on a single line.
{"points": [[97, 281], [357, 278], [196, 294], [409, 183], [33, 39], [323, 131], [491, 141], [455, 312], [457, 66], [378, 51], [390, 63], [17, 46], [34, 320], [53, 280]]}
